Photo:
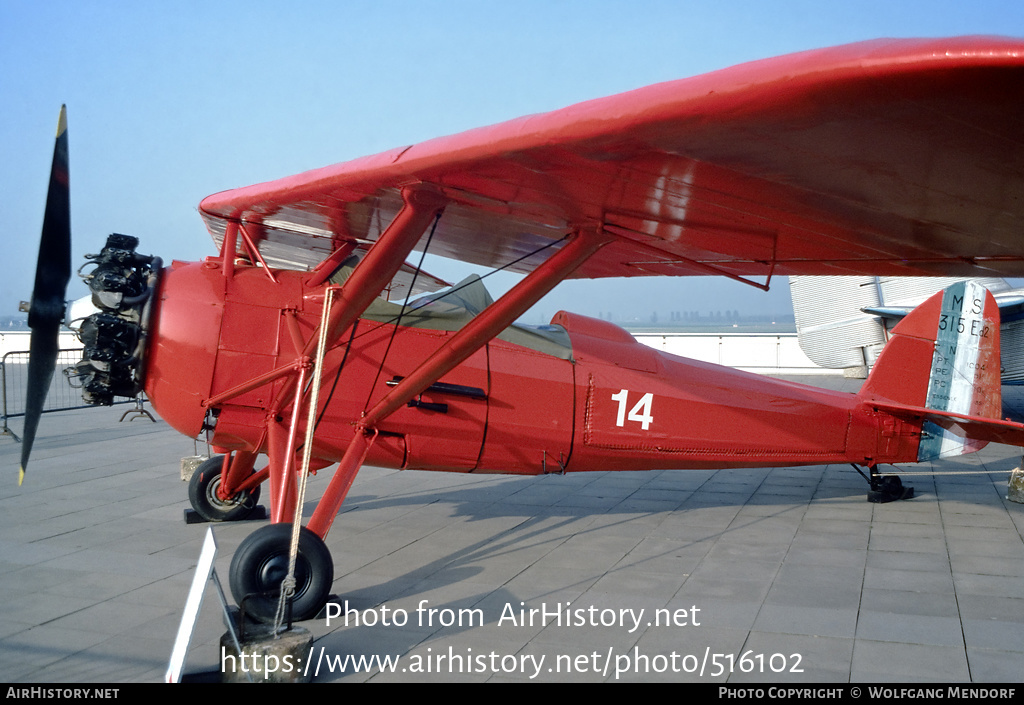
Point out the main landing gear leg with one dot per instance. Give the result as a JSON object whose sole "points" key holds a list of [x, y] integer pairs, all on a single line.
{"points": [[885, 488], [260, 563]]}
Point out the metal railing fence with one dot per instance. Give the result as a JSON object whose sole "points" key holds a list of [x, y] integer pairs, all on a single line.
{"points": [[14, 384]]}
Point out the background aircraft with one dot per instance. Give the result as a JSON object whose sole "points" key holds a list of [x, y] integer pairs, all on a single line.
{"points": [[844, 322]]}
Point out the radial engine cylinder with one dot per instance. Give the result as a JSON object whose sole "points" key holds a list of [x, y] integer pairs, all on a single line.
{"points": [[123, 283]]}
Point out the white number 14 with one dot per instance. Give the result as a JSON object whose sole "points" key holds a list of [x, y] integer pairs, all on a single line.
{"points": [[640, 412]]}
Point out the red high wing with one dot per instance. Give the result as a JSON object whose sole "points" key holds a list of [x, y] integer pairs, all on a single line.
{"points": [[892, 157]]}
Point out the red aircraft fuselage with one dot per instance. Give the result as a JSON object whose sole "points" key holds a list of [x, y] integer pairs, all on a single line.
{"points": [[615, 405]]}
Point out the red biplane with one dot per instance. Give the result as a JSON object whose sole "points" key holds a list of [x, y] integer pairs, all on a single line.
{"points": [[886, 157]]}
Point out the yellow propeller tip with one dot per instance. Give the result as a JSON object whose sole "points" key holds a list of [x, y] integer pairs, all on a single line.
{"points": [[62, 121], [21, 476]]}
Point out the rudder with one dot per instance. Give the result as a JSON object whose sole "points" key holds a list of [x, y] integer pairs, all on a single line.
{"points": [[943, 357]]}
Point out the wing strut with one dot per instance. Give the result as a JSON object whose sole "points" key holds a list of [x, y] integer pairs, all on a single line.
{"points": [[476, 334], [367, 281], [370, 277], [383, 260]]}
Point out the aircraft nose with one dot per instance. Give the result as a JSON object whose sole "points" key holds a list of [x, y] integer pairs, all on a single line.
{"points": [[183, 343]]}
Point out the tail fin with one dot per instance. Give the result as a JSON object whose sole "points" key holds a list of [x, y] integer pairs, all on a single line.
{"points": [[941, 368]]}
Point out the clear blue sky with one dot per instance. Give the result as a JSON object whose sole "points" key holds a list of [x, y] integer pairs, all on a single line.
{"points": [[171, 101]]}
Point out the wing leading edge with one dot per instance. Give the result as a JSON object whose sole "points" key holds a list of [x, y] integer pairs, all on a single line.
{"points": [[892, 157]]}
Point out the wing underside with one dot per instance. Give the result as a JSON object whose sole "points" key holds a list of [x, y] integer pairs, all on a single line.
{"points": [[894, 157]]}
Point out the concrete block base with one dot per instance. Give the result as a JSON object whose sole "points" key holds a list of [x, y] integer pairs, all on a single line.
{"points": [[189, 464], [1015, 487], [266, 658]]}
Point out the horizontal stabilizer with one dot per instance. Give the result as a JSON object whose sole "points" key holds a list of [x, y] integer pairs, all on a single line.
{"points": [[978, 428]]}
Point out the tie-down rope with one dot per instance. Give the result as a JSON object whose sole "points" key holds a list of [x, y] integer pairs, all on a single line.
{"points": [[288, 584]]}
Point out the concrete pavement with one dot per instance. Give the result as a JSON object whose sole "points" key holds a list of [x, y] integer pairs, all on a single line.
{"points": [[781, 575]]}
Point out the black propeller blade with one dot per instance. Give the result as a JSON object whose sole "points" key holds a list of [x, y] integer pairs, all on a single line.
{"points": [[53, 271]]}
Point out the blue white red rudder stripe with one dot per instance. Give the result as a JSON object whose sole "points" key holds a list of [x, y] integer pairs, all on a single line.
{"points": [[941, 367]]}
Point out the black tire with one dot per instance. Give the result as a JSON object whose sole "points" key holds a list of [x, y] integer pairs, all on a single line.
{"points": [[889, 489], [202, 493], [261, 563]]}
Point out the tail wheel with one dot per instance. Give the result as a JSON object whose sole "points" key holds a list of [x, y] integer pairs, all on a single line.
{"points": [[888, 489], [202, 493], [261, 563]]}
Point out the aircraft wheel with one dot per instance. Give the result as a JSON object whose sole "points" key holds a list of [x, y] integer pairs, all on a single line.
{"points": [[261, 563], [202, 493], [889, 489]]}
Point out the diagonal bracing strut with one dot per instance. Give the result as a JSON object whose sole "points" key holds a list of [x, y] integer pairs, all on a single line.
{"points": [[476, 334], [421, 204]]}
